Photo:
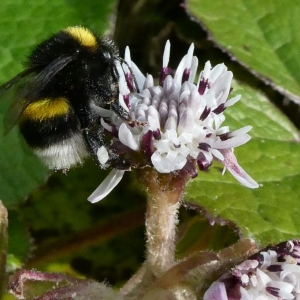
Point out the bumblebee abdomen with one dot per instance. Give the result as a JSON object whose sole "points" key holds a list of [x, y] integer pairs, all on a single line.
{"points": [[51, 128], [45, 109], [47, 121], [64, 154]]}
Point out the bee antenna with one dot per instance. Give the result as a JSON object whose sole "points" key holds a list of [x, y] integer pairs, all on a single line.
{"points": [[131, 72]]}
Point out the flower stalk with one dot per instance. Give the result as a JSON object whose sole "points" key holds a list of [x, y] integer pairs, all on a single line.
{"points": [[164, 192]]}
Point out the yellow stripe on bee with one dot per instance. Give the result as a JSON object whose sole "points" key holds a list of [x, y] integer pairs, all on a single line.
{"points": [[83, 36], [46, 109]]}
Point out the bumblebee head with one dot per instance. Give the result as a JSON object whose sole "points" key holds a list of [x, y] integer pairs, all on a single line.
{"points": [[95, 64]]}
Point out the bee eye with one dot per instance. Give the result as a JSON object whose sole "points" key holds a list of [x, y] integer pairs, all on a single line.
{"points": [[106, 56]]}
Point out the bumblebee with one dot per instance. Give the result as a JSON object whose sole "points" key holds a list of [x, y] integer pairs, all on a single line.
{"points": [[53, 99]]}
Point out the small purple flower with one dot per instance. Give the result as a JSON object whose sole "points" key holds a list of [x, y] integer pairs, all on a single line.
{"points": [[176, 124], [271, 274]]}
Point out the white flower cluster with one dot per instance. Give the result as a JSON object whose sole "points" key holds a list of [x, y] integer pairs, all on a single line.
{"points": [[271, 274], [181, 121]]}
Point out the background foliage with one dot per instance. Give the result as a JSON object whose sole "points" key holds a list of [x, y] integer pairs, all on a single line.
{"points": [[51, 225]]}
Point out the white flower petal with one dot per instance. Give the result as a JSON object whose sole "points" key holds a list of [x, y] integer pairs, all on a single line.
{"points": [[232, 101], [149, 82], [162, 146], [222, 130], [168, 86], [105, 125], [127, 56], [153, 118], [241, 131], [169, 163], [217, 154], [186, 121], [194, 103], [171, 123], [206, 71], [194, 68], [185, 138], [161, 164], [166, 55], [236, 170], [126, 137], [140, 78], [171, 155], [232, 142], [106, 186], [262, 277], [102, 155], [189, 57], [153, 123], [217, 71], [221, 87], [179, 71]]}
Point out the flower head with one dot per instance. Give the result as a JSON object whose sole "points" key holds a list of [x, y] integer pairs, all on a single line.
{"points": [[177, 124], [271, 274]]}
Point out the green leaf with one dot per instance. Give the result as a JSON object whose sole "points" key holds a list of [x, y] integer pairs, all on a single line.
{"points": [[269, 213], [26, 24], [19, 243], [256, 110], [8, 296], [197, 234], [20, 171], [264, 36]]}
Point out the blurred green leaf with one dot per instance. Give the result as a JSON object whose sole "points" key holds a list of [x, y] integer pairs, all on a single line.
{"points": [[198, 234], [93, 238], [263, 35], [8, 296], [19, 243], [272, 158], [12, 263]]}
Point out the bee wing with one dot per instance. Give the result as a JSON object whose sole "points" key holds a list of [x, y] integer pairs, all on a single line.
{"points": [[11, 92], [42, 79], [6, 86], [24, 89]]}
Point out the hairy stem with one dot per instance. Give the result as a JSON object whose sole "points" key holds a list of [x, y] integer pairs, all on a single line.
{"points": [[164, 192]]}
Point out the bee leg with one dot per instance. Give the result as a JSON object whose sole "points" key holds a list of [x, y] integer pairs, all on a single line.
{"points": [[118, 162], [119, 110], [94, 140]]}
